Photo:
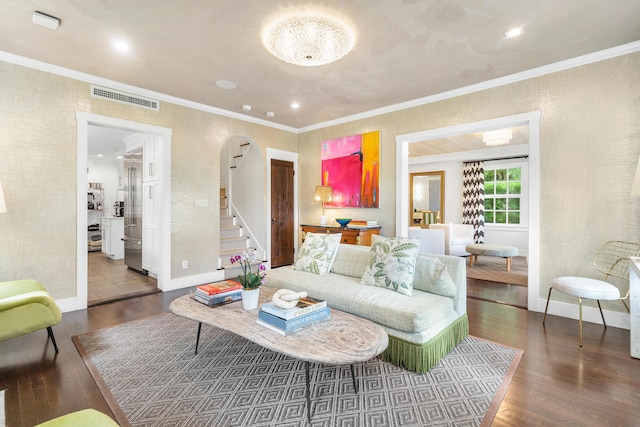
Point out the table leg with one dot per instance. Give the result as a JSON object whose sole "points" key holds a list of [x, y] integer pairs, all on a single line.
{"points": [[198, 336], [306, 368], [355, 382]]}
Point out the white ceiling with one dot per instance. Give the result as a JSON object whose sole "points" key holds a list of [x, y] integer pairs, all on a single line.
{"points": [[406, 49]]}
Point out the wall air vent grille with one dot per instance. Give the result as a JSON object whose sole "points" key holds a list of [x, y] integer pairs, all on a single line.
{"points": [[124, 98]]}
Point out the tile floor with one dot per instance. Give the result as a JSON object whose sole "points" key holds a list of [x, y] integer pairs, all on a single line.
{"points": [[111, 280]]}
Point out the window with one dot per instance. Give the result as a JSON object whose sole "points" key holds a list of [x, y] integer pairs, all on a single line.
{"points": [[502, 195]]}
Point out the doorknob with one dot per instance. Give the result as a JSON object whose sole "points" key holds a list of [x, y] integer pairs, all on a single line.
{"points": [[273, 220]]}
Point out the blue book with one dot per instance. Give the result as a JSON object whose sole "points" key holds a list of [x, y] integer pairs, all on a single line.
{"points": [[295, 323]]}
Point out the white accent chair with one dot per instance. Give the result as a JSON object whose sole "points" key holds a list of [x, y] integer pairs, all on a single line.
{"points": [[431, 240], [456, 237], [612, 260]]}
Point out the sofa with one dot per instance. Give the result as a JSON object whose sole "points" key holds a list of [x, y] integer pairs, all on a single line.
{"points": [[456, 237], [422, 327]]}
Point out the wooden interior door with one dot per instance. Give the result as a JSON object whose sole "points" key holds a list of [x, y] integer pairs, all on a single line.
{"points": [[282, 225]]}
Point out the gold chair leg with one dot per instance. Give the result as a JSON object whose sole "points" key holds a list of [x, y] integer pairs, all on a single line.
{"points": [[509, 264], [547, 307], [601, 314], [580, 304]]}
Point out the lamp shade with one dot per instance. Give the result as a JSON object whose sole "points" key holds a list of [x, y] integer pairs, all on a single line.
{"points": [[635, 187], [3, 205], [322, 193]]}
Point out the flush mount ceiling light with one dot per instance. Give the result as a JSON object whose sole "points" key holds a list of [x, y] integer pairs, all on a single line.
{"points": [[308, 39], [494, 138]]}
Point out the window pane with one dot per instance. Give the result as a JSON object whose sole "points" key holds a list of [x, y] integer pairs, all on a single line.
{"points": [[501, 217], [501, 188], [514, 187], [501, 174], [514, 217], [489, 175], [488, 217], [514, 204], [488, 204], [489, 188], [514, 174], [501, 204]]}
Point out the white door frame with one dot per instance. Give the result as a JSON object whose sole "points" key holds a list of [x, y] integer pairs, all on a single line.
{"points": [[532, 119], [163, 137]]}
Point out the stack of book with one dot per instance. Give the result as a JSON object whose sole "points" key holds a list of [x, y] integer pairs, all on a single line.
{"points": [[357, 223], [213, 294], [285, 321]]}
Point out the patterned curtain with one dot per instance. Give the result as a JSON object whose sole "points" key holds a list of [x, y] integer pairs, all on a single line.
{"points": [[473, 198]]}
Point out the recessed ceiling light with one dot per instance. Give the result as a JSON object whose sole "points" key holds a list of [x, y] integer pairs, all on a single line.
{"points": [[270, 114], [514, 33], [246, 107], [295, 105], [225, 84], [121, 45], [100, 155]]}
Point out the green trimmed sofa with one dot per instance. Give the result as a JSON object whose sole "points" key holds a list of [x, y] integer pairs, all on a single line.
{"points": [[422, 328]]}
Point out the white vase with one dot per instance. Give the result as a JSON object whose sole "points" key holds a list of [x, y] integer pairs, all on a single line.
{"points": [[250, 298]]}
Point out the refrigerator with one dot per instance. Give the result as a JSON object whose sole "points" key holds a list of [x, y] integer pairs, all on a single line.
{"points": [[133, 210]]}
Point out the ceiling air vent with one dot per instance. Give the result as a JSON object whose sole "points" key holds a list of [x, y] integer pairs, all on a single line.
{"points": [[124, 98]]}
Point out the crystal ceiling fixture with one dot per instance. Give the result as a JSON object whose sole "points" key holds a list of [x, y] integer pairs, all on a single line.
{"points": [[497, 137], [308, 39]]}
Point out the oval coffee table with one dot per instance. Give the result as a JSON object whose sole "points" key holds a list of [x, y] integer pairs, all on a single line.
{"points": [[344, 339]]}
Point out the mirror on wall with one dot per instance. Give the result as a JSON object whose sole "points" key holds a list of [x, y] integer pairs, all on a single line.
{"points": [[426, 198]]}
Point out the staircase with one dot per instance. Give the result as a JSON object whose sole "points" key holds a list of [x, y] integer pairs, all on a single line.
{"points": [[232, 240]]}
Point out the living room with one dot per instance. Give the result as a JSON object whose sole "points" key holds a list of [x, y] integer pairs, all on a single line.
{"points": [[584, 158]]}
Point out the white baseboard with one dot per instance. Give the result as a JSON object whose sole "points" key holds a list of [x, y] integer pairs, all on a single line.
{"points": [[189, 281], [72, 304], [616, 319]]}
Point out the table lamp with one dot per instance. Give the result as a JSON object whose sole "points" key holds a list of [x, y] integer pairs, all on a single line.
{"points": [[322, 194]]}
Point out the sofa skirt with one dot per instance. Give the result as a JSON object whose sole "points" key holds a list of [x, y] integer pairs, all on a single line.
{"points": [[422, 357]]}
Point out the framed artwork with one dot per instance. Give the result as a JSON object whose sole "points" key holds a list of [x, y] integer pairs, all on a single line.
{"points": [[351, 166]]}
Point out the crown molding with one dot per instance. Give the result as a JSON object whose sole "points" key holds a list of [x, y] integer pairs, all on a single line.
{"points": [[489, 84], [91, 79]]}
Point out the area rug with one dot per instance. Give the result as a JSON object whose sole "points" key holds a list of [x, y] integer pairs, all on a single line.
{"points": [[494, 269], [149, 376]]}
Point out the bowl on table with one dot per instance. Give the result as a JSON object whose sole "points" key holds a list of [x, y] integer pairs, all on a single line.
{"points": [[343, 222]]}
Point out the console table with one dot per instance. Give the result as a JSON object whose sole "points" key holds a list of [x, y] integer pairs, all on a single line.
{"points": [[350, 235]]}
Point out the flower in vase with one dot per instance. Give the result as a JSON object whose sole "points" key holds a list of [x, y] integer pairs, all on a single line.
{"points": [[248, 279]]}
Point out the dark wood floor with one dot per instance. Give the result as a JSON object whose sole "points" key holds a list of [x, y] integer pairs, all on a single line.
{"points": [[556, 384]]}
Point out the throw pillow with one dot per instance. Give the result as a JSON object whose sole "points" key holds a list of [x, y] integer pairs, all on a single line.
{"points": [[432, 276], [392, 263], [317, 253]]}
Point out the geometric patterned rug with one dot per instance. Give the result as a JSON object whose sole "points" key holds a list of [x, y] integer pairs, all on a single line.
{"points": [[148, 373]]}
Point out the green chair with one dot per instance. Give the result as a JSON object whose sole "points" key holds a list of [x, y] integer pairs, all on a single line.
{"points": [[26, 306], [84, 418]]}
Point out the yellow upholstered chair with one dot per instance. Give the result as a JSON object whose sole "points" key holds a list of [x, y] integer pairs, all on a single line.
{"points": [[84, 418], [26, 306], [612, 260]]}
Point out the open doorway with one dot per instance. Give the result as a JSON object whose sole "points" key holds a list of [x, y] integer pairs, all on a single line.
{"points": [[159, 231], [110, 278], [531, 121]]}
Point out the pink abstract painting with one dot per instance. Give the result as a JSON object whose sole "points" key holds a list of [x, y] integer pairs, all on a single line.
{"points": [[350, 165]]}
